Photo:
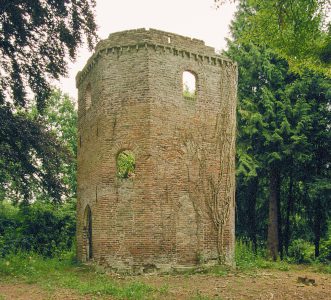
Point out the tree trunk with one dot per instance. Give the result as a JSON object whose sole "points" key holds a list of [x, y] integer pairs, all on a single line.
{"points": [[279, 217], [273, 237], [317, 226], [252, 194], [289, 210]]}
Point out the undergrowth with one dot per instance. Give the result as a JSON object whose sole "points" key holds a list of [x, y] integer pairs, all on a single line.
{"points": [[247, 259]]}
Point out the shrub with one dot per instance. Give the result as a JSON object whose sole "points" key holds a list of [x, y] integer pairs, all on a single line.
{"points": [[41, 227], [325, 248], [301, 251]]}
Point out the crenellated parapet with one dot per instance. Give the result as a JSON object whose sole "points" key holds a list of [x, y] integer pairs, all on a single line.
{"points": [[154, 40]]}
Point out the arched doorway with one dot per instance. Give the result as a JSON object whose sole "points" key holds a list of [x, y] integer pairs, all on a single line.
{"points": [[88, 233]]}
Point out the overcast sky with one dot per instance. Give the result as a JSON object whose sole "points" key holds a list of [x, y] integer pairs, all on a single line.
{"points": [[194, 18]]}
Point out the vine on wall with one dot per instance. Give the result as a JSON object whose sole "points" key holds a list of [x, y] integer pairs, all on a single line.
{"points": [[211, 178]]}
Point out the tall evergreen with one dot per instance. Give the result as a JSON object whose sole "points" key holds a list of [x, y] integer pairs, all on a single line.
{"points": [[276, 149]]}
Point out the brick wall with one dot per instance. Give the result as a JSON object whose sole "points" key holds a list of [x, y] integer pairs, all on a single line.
{"points": [[159, 218]]}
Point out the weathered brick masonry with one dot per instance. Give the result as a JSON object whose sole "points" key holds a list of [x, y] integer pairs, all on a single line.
{"points": [[179, 207]]}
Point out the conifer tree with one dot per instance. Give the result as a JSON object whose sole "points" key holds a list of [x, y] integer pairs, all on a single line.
{"points": [[275, 134]]}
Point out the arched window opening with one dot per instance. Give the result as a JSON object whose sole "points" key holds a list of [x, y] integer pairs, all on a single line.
{"points": [[189, 85], [88, 232], [88, 97], [126, 164]]}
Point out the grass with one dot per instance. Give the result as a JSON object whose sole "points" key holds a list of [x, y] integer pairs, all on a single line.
{"points": [[66, 273], [321, 268], [247, 259], [203, 297]]}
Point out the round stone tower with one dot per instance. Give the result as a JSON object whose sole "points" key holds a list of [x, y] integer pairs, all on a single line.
{"points": [[172, 203]]}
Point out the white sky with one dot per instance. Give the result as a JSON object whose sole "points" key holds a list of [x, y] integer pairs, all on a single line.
{"points": [[193, 18]]}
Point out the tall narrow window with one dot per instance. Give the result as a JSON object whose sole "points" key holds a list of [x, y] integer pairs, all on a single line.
{"points": [[88, 97], [126, 164], [189, 85]]}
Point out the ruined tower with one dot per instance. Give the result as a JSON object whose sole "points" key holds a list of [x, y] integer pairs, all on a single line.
{"points": [[175, 206]]}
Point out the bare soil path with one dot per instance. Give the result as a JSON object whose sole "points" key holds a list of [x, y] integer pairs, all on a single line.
{"points": [[268, 284], [24, 291]]}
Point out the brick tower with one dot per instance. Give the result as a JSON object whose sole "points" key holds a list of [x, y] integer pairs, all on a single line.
{"points": [[176, 208]]}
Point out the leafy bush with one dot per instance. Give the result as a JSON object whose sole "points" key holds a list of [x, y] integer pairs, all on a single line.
{"points": [[41, 227], [301, 251], [325, 247]]}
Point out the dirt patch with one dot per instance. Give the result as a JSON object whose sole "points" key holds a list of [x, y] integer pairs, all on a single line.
{"points": [[23, 291], [261, 285], [20, 291]]}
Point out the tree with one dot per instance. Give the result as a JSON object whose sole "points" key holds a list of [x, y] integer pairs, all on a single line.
{"points": [[316, 173], [60, 115], [297, 30], [44, 147], [277, 141], [36, 39], [30, 157]]}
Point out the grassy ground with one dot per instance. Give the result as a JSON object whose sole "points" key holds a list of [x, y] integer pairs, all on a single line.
{"points": [[64, 272], [87, 282]]}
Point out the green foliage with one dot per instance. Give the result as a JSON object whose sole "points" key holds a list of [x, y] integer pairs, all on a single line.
{"points": [[325, 254], [45, 148], [283, 125], [301, 251], [36, 40], [30, 157], [297, 30], [41, 227], [187, 93], [60, 115], [247, 259], [322, 268], [325, 251], [64, 272], [126, 164]]}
